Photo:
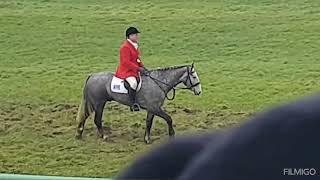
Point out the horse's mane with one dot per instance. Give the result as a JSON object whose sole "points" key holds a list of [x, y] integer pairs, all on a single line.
{"points": [[169, 68]]}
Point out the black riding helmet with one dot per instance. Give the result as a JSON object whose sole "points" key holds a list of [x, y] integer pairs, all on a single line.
{"points": [[131, 30]]}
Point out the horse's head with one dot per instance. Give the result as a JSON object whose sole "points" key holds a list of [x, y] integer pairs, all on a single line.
{"points": [[191, 80]]}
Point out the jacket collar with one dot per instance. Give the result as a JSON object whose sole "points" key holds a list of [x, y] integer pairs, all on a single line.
{"points": [[135, 45]]}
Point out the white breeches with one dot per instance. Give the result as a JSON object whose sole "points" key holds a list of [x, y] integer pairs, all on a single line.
{"points": [[132, 82]]}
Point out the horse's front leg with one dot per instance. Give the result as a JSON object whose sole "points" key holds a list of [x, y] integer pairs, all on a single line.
{"points": [[168, 119], [149, 122]]}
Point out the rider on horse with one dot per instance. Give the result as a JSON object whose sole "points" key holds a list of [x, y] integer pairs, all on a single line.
{"points": [[130, 65]]}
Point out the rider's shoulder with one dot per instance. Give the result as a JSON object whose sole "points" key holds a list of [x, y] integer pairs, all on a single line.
{"points": [[124, 46]]}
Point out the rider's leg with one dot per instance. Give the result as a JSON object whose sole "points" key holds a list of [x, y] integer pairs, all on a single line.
{"points": [[132, 81]]}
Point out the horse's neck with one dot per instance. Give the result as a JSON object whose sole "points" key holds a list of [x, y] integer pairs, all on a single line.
{"points": [[171, 77]]}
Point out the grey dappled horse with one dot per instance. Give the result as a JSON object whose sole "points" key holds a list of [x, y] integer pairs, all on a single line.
{"points": [[155, 87]]}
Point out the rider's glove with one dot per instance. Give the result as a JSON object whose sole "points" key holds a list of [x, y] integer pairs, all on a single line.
{"points": [[143, 71]]}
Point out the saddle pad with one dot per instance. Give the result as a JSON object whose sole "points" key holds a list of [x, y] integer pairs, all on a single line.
{"points": [[117, 85]]}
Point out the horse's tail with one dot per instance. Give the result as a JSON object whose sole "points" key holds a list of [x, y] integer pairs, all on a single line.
{"points": [[85, 108]]}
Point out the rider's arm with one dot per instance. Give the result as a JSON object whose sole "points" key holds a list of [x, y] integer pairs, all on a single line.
{"points": [[139, 60], [125, 59]]}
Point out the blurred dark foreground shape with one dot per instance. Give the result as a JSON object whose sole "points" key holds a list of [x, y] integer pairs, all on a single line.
{"points": [[278, 144]]}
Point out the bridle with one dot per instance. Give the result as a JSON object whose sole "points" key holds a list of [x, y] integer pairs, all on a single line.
{"points": [[188, 78], [174, 88]]}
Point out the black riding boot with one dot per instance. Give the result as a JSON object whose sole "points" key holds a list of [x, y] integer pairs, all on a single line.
{"points": [[132, 95]]}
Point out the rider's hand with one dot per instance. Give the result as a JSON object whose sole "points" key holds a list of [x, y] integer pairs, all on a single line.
{"points": [[143, 71]]}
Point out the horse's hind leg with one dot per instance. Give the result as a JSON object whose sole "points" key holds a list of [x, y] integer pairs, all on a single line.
{"points": [[149, 122], [80, 128], [168, 119], [98, 119], [81, 119]]}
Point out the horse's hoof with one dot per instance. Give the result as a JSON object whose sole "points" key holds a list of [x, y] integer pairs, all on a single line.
{"points": [[135, 107], [105, 137], [171, 136], [78, 137], [147, 141]]}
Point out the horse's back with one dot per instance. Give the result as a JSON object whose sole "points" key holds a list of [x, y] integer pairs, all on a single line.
{"points": [[99, 80], [101, 76]]}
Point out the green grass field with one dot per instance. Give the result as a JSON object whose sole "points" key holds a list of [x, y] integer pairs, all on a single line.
{"points": [[249, 54]]}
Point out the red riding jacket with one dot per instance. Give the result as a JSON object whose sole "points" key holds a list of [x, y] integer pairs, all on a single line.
{"points": [[129, 61]]}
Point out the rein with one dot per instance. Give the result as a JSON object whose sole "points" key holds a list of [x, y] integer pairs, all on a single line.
{"points": [[173, 88], [166, 94]]}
